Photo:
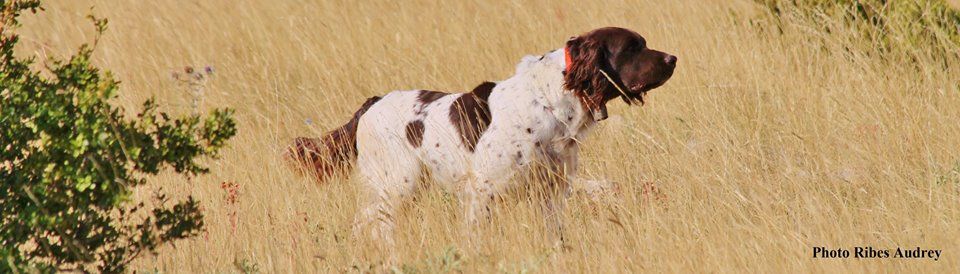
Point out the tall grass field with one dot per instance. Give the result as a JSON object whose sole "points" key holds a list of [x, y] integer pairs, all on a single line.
{"points": [[785, 128]]}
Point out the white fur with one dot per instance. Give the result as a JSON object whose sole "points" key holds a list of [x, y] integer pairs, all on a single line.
{"points": [[533, 99]]}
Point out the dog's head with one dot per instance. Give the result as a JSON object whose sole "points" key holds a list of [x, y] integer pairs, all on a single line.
{"points": [[612, 62]]}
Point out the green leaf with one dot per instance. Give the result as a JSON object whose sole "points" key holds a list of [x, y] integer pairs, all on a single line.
{"points": [[83, 183]]}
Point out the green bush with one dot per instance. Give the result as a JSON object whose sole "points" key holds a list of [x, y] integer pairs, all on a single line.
{"points": [[918, 29], [69, 161]]}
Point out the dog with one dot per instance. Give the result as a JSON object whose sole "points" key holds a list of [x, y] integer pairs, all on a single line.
{"points": [[477, 144]]}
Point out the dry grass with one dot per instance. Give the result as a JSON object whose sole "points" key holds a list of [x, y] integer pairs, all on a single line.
{"points": [[762, 146]]}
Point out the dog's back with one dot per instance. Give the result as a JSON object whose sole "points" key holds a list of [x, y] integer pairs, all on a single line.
{"points": [[407, 130], [399, 132]]}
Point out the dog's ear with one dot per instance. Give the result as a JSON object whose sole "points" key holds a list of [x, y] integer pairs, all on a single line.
{"points": [[587, 57]]}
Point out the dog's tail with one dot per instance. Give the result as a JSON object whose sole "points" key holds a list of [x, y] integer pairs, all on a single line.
{"points": [[335, 151]]}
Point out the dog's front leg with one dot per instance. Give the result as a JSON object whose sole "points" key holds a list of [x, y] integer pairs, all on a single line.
{"points": [[563, 172], [555, 200]]}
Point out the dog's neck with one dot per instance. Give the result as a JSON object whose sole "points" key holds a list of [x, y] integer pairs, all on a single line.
{"points": [[545, 74]]}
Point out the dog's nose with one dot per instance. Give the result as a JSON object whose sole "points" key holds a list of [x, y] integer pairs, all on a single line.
{"points": [[670, 60]]}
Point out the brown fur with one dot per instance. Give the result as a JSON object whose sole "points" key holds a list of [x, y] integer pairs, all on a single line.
{"points": [[334, 151], [470, 114], [428, 96], [584, 77], [415, 133]]}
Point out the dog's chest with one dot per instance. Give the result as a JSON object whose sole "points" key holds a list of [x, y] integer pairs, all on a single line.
{"points": [[532, 125]]}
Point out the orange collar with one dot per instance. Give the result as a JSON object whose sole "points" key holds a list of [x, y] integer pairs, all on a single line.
{"points": [[567, 59]]}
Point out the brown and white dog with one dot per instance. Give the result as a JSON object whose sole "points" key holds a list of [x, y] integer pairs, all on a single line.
{"points": [[477, 144]]}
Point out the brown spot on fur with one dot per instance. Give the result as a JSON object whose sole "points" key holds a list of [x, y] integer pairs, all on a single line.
{"points": [[428, 96], [484, 89], [470, 114], [415, 133], [334, 151]]}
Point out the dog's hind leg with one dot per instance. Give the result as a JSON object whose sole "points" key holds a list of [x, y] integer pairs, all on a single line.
{"points": [[389, 178]]}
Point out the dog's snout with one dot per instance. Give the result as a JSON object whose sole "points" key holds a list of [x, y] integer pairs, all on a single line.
{"points": [[670, 60]]}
